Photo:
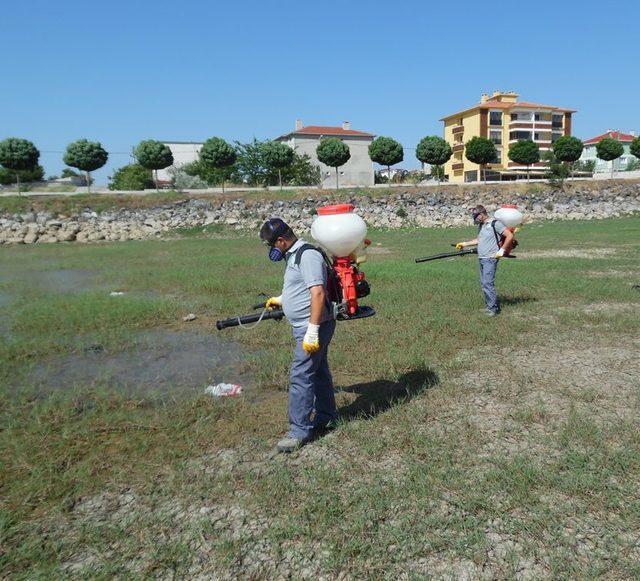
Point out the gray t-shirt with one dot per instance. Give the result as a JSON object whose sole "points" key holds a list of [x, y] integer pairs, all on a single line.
{"points": [[487, 245], [296, 297]]}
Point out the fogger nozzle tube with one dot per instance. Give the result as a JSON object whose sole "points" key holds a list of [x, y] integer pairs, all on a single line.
{"points": [[448, 255], [276, 314]]}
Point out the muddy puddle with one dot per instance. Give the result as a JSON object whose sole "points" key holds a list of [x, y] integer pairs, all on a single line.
{"points": [[164, 363]]}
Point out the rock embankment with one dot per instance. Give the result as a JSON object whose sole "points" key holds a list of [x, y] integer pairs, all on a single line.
{"points": [[398, 209]]}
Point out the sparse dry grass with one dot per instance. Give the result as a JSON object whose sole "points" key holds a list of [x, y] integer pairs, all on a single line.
{"points": [[467, 448]]}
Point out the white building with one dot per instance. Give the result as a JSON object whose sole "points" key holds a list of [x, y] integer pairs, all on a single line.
{"points": [[184, 152], [589, 152], [358, 171]]}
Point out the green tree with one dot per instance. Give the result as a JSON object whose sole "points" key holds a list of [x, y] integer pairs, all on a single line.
{"points": [[18, 155], [9, 177], [334, 153], [216, 153], [87, 156], [386, 151], [609, 149], [436, 152], [302, 172], [277, 156], [153, 155], [633, 165], [557, 172], [568, 149], [634, 148], [524, 152], [131, 177], [482, 151], [588, 165]]}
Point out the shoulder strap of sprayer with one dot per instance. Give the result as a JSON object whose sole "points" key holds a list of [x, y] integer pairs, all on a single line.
{"points": [[495, 233], [333, 285]]}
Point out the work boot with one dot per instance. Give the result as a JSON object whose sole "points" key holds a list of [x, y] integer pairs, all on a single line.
{"points": [[288, 444], [490, 313]]}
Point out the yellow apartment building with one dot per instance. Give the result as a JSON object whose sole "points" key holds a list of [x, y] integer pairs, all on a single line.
{"points": [[505, 120]]}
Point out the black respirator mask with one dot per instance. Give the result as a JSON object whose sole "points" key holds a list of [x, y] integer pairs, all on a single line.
{"points": [[476, 217], [280, 229]]}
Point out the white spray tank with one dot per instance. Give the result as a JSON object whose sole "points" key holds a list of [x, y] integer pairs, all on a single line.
{"points": [[341, 232], [339, 229], [509, 215]]}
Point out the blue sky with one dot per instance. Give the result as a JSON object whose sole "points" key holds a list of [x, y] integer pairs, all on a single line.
{"points": [[118, 72]]}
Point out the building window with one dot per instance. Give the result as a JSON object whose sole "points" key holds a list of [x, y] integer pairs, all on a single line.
{"points": [[498, 156], [495, 118], [496, 137], [518, 135], [538, 117], [556, 120], [555, 136], [521, 116]]}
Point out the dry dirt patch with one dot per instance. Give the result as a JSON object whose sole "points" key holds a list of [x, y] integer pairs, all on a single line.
{"points": [[570, 253]]}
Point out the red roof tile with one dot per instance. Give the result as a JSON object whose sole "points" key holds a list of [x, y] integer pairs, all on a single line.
{"points": [[625, 137], [329, 130]]}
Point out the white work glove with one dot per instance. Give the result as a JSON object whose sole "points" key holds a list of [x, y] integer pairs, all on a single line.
{"points": [[273, 302], [311, 341], [500, 253]]}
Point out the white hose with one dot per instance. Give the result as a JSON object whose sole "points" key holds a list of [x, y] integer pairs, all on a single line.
{"points": [[249, 327]]}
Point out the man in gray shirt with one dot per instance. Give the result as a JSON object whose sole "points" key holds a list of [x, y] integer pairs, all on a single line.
{"points": [[305, 302], [489, 252]]}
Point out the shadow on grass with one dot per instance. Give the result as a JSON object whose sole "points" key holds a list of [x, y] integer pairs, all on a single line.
{"points": [[514, 301], [378, 396]]}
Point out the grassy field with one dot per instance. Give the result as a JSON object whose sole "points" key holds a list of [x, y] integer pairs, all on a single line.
{"points": [[467, 447]]}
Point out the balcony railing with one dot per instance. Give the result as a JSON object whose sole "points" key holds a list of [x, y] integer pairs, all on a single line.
{"points": [[457, 129], [458, 165], [458, 147]]}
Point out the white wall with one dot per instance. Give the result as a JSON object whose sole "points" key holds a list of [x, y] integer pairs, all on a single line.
{"points": [[183, 153], [358, 171]]}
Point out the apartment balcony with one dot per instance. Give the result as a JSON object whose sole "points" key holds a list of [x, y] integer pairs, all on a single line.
{"points": [[457, 147], [457, 165], [523, 124], [457, 129]]}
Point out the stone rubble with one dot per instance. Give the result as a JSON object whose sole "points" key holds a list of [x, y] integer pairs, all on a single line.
{"points": [[425, 209]]}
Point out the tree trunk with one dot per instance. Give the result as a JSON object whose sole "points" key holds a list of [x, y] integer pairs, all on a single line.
{"points": [[612, 168], [389, 176], [337, 180], [223, 183], [528, 170], [280, 177], [88, 178], [483, 171], [155, 179], [18, 181]]}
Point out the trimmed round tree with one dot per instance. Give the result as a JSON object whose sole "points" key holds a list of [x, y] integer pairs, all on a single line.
{"points": [[524, 152], [634, 148], [609, 149], [18, 155], [87, 156], [568, 149], [386, 151], [482, 151], [334, 153], [153, 155], [435, 151], [216, 153], [277, 156]]}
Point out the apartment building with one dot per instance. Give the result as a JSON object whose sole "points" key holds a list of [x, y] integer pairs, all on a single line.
{"points": [[358, 171], [505, 120], [589, 152]]}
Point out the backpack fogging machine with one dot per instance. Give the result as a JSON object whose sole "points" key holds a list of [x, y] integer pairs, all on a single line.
{"points": [[341, 234], [509, 215]]}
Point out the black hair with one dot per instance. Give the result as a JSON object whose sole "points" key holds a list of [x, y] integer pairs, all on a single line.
{"points": [[480, 209]]}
